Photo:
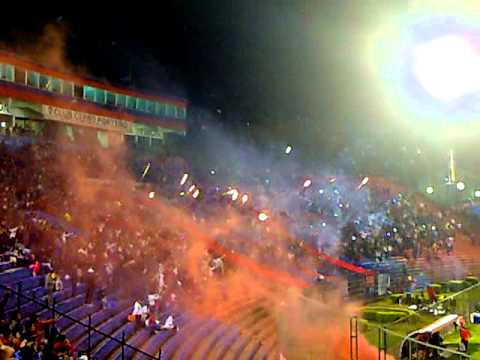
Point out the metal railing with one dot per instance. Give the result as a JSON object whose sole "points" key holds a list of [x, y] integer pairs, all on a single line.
{"points": [[462, 302], [391, 343], [56, 313]]}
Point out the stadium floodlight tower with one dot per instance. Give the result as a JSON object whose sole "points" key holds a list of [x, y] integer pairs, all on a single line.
{"points": [[428, 64], [447, 67]]}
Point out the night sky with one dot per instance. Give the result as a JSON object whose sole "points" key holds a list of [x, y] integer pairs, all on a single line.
{"points": [[275, 71], [266, 63]]}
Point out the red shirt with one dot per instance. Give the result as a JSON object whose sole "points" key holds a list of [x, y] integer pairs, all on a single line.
{"points": [[35, 267], [465, 334], [63, 347]]}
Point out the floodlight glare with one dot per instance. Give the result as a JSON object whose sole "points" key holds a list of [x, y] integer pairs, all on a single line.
{"points": [[447, 67]]}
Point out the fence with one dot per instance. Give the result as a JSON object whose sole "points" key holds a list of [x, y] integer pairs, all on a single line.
{"points": [[389, 344], [91, 330], [461, 303], [395, 275]]}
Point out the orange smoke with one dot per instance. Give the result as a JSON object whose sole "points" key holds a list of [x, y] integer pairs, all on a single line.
{"points": [[319, 326]]}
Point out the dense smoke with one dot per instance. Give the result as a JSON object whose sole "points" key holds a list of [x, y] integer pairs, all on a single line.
{"points": [[120, 226], [255, 254]]}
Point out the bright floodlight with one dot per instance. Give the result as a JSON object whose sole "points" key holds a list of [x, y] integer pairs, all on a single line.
{"points": [[477, 193], [288, 149], [460, 186], [447, 67], [429, 190], [151, 195]]}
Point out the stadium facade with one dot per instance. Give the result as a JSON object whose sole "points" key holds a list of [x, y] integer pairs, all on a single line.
{"points": [[40, 101]]}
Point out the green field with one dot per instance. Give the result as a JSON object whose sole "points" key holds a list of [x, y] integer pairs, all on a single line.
{"points": [[414, 322], [453, 340], [463, 302]]}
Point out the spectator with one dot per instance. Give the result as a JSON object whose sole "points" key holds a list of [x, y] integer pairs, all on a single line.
{"points": [[464, 338], [51, 286], [62, 346], [35, 267], [169, 324]]}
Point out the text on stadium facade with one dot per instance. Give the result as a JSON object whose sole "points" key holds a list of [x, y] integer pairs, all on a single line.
{"points": [[85, 119]]}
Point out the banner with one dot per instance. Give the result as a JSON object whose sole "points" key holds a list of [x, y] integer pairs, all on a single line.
{"points": [[85, 119]]}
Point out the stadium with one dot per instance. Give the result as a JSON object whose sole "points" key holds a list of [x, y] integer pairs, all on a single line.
{"points": [[140, 221]]}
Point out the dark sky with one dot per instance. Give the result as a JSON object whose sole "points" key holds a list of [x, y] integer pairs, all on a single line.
{"points": [[293, 69], [273, 60]]}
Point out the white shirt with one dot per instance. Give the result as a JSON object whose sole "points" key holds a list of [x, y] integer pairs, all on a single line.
{"points": [[137, 308], [169, 324]]}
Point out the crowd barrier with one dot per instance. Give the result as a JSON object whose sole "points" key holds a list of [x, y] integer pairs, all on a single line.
{"points": [[398, 276], [92, 332]]}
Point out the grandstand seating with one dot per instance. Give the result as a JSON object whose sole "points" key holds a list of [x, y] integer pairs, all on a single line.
{"points": [[244, 330]]}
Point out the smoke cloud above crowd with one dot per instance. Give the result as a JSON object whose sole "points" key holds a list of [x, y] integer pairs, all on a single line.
{"points": [[231, 221]]}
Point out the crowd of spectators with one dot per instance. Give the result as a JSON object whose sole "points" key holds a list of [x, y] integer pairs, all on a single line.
{"points": [[32, 338], [399, 227], [110, 234], [331, 214]]}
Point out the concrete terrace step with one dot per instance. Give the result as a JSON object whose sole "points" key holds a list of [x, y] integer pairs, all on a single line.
{"points": [[246, 334], [226, 343], [35, 293], [108, 327], [264, 339], [189, 346], [108, 346], [77, 331], [253, 352], [6, 265], [268, 350], [258, 334], [250, 337], [31, 307], [137, 340], [79, 313], [30, 282], [13, 275], [172, 344], [239, 321], [157, 341], [235, 314], [64, 307], [210, 342]]}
